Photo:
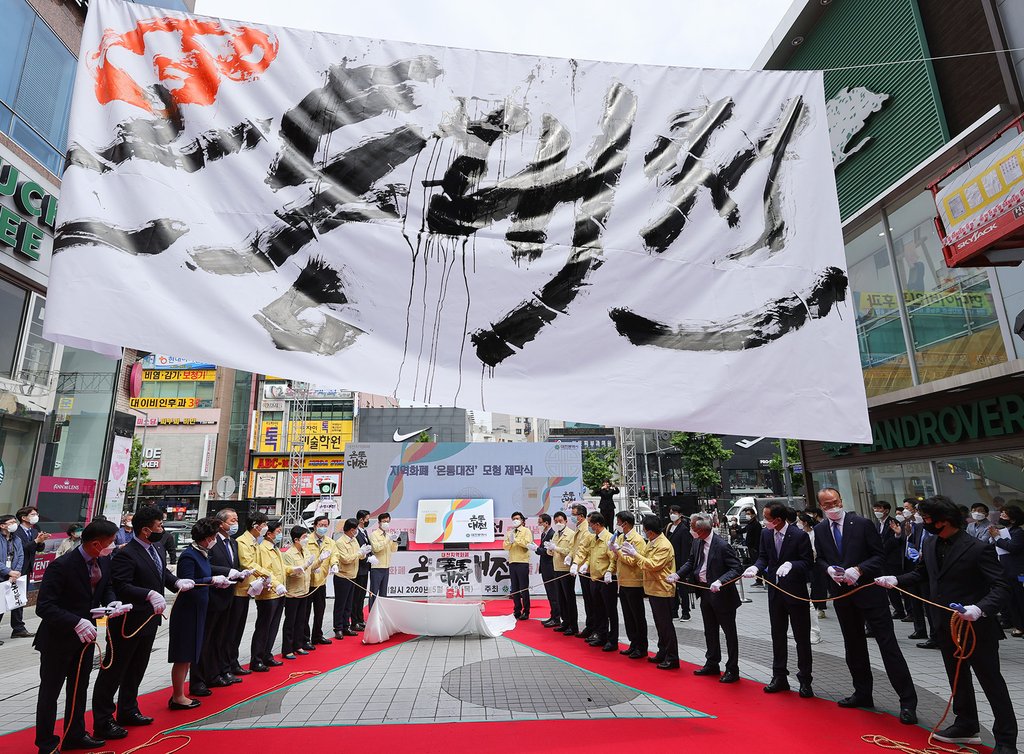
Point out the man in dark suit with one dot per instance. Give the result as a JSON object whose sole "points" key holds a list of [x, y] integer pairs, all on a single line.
{"points": [[850, 549], [892, 551], [547, 570], [72, 586], [964, 571], [911, 538], [711, 562], [214, 668], [32, 541], [786, 559], [678, 534], [140, 575], [362, 574]]}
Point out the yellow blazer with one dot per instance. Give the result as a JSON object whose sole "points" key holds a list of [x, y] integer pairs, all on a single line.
{"points": [[630, 574], [599, 559], [520, 546], [271, 562], [347, 557], [318, 573], [657, 560], [563, 546], [247, 559], [382, 548], [298, 584]]}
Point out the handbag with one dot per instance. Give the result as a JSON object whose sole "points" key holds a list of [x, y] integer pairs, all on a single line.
{"points": [[14, 594]]}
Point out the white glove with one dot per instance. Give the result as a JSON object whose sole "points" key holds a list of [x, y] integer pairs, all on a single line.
{"points": [[157, 601], [184, 585], [373, 560], [613, 547], [234, 575], [783, 570], [221, 582], [86, 631], [585, 568], [837, 574], [750, 573], [366, 549], [887, 581], [117, 608], [325, 555], [310, 560], [971, 613], [297, 571], [575, 569], [607, 577], [851, 576], [628, 549], [716, 586], [334, 569], [672, 578], [280, 589], [549, 546], [394, 536], [568, 561], [256, 588], [247, 573]]}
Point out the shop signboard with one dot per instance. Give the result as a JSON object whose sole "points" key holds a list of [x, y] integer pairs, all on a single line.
{"points": [[179, 375], [267, 463], [162, 361], [320, 437], [454, 574], [163, 402]]}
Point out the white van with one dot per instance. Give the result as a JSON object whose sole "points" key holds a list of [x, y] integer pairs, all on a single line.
{"points": [[756, 505]]}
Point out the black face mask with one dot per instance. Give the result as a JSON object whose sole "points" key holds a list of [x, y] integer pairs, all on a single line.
{"points": [[930, 528], [155, 536]]}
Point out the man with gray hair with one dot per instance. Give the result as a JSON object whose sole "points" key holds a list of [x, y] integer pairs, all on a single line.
{"points": [[713, 563]]}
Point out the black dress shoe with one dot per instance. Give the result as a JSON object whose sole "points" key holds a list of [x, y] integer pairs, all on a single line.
{"points": [[301, 651], [656, 659], [199, 689], [309, 647], [272, 663], [908, 716], [609, 647], [258, 667], [549, 623], [626, 651], [136, 719], [918, 635], [636, 654], [239, 670], [289, 656], [232, 678], [707, 670], [569, 632], [586, 633], [85, 742], [171, 704], [958, 734], [22, 635], [323, 640], [930, 644], [524, 616], [340, 635], [214, 683], [109, 731], [668, 665], [776, 684], [899, 616], [806, 692], [358, 626], [729, 676], [349, 632], [595, 641], [856, 701]]}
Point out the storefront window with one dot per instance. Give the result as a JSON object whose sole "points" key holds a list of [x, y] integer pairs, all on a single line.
{"points": [[979, 479], [952, 311], [883, 350], [12, 306], [18, 440], [37, 354], [79, 437], [861, 487]]}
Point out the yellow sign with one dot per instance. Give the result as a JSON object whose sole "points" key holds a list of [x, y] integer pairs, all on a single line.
{"points": [[983, 189], [179, 375], [309, 463], [320, 437], [163, 402], [65, 403]]}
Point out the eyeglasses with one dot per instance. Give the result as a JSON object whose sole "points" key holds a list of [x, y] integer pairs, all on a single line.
{"points": [[827, 505]]}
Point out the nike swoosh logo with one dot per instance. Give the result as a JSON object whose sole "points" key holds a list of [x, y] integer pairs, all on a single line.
{"points": [[745, 444], [402, 438]]}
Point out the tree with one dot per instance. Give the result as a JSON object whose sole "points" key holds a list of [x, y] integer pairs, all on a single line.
{"points": [[135, 471], [599, 464], [702, 455], [423, 437], [793, 458]]}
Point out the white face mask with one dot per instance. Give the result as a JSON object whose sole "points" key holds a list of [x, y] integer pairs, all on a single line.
{"points": [[303, 541], [12, 527], [263, 530], [900, 517], [835, 514], [33, 519], [107, 550], [879, 515], [207, 544], [978, 516], [385, 525], [559, 526], [918, 519], [673, 517], [517, 522]]}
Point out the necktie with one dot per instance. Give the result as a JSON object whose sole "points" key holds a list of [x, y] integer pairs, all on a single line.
{"points": [[703, 569], [227, 544], [94, 574], [838, 534], [778, 543], [156, 558]]}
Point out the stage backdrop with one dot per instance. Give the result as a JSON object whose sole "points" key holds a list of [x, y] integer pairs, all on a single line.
{"points": [[629, 245]]}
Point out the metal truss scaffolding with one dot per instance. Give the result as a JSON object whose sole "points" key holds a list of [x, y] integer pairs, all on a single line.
{"points": [[627, 448], [298, 410]]}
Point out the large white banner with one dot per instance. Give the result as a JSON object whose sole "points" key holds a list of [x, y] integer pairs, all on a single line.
{"points": [[630, 245]]}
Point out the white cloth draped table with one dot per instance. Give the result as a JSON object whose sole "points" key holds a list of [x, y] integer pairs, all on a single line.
{"points": [[392, 616]]}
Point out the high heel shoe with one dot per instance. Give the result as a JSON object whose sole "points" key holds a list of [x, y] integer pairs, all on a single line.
{"points": [[289, 656], [173, 705]]}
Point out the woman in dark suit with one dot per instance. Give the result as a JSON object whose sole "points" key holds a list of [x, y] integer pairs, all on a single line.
{"points": [[188, 617]]}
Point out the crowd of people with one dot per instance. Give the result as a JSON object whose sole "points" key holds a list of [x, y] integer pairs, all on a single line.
{"points": [[622, 566]]}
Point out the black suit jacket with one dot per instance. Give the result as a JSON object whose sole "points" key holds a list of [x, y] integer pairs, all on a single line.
{"points": [[970, 574], [547, 562], [752, 538], [135, 575], [723, 565], [364, 564], [220, 565], [65, 597], [30, 547], [681, 540], [892, 548], [796, 550], [862, 548]]}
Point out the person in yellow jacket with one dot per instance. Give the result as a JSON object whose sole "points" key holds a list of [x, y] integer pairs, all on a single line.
{"points": [[518, 542], [600, 566], [383, 542], [322, 545], [581, 545], [298, 563], [561, 553], [268, 593], [345, 569], [631, 585], [246, 543], [657, 560]]}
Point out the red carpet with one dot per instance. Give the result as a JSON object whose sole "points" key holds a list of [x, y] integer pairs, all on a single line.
{"points": [[745, 719]]}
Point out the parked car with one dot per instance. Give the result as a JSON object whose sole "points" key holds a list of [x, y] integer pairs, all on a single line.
{"points": [[755, 506]]}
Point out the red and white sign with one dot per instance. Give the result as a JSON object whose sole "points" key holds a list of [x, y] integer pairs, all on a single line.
{"points": [[310, 484]]}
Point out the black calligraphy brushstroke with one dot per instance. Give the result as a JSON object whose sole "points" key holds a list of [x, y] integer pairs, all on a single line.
{"points": [[596, 187], [752, 329], [341, 197], [155, 237], [288, 319], [153, 141], [350, 95]]}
